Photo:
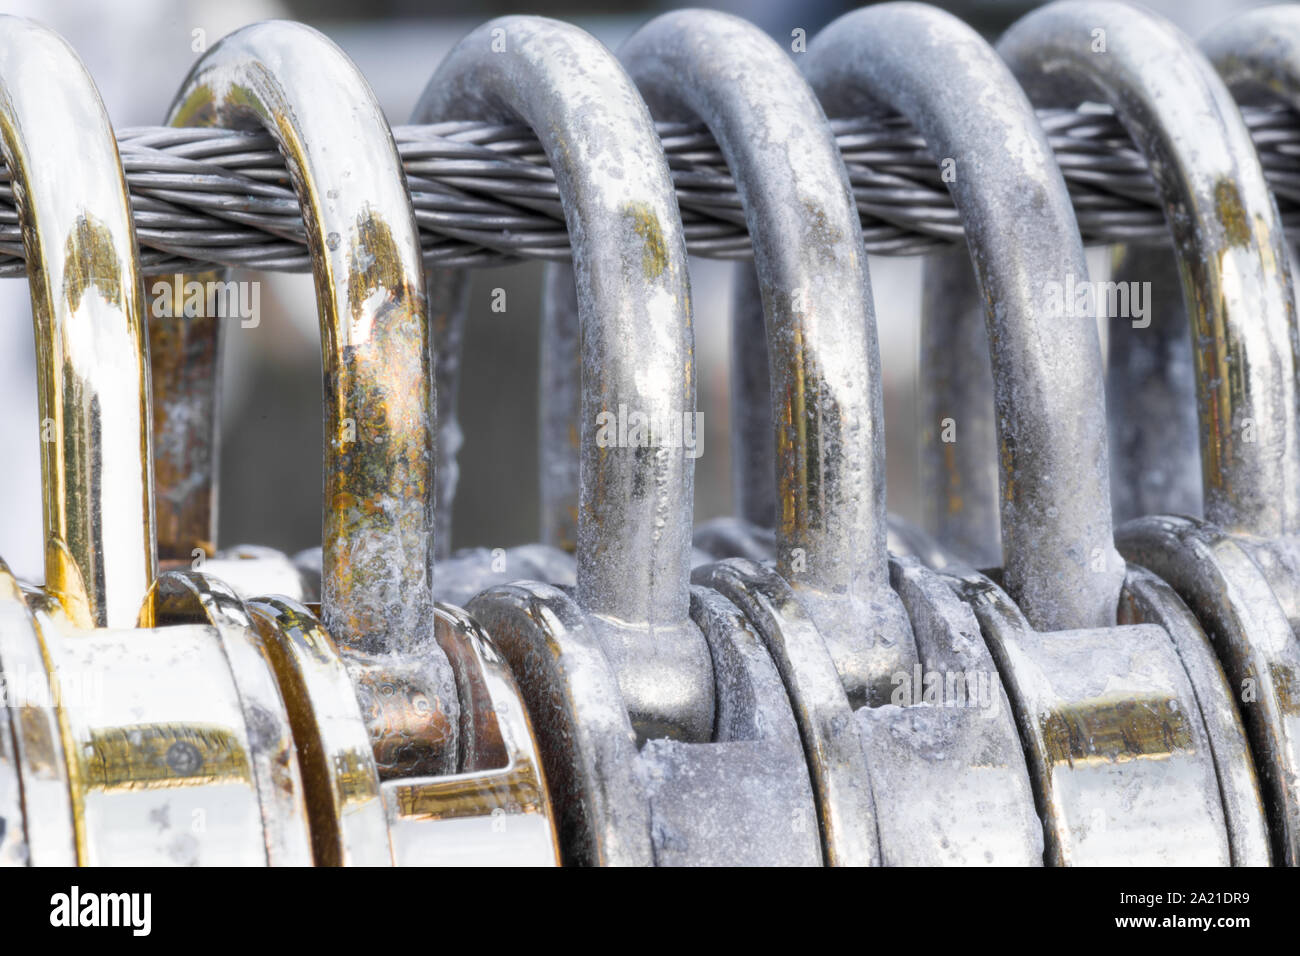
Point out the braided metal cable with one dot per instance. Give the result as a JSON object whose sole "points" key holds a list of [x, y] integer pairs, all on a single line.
{"points": [[484, 195]]}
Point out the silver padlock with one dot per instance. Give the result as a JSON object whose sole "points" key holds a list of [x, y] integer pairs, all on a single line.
{"points": [[667, 735], [1092, 699], [1238, 566], [834, 614], [1229, 244]]}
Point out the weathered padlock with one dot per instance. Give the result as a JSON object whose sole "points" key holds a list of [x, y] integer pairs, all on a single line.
{"points": [[141, 745], [667, 735], [879, 749], [1230, 248], [1115, 739], [1235, 567], [410, 729]]}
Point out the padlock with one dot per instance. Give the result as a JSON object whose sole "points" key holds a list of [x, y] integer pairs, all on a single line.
{"points": [[1237, 567], [1093, 700], [410, 729], [1230, 248], [666, 732], [141, 744], [833, 613]]}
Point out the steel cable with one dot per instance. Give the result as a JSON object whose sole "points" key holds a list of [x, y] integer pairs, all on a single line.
{"points": [[484, 195]]}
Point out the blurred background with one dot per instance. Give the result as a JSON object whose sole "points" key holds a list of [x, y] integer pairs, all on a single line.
{"points": [[140, 50]]}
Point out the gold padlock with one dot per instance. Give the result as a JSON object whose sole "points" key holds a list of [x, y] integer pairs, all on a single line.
{"points": [[141, 745], [413, 738]]}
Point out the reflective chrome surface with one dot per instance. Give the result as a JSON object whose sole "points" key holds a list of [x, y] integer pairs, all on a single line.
{"points": [[41, 832], [379, 417], [89, 321], [149, 751], [385, 704]]}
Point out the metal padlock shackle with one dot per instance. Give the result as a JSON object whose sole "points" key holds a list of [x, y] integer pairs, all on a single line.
{"points": [[1046, 389], [381, 624], [1257, 53], [80, 243], [1229, 244], [1165, 95], [633, 555], [830, 462], [655, 754], [1056, 507], [216, 741], [80, 248], [1148, 368], [828, 614], [377, 536], [721, 70], [1241, 580]]}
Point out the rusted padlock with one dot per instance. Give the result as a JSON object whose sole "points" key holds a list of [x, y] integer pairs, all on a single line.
{"points": [[410, 728]]}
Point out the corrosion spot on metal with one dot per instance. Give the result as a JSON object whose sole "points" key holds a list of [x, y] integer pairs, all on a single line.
{"points": [[153, 756], [1231, 213], [1287, 688], [654, 250], [826, 239], [1110, 731], [90, 260], [412, 727]]}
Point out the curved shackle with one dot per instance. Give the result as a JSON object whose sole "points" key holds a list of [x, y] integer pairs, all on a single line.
{"points": [[1059, 557], [87, 309], [634, 529], [825, 366], [1227, 235], [378, 533], [1257, 53]]}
